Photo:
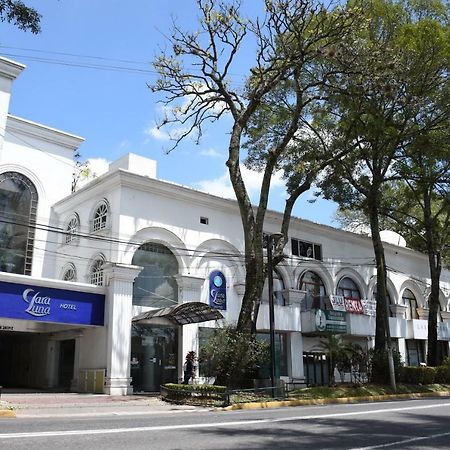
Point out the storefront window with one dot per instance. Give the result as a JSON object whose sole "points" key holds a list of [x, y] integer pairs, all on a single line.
{"points": [[415, 352], [156, 285], [154, 357], [281, 356], [18, 207]]}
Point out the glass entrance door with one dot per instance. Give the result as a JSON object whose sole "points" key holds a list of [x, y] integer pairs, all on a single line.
{"points": [[154, 357]]}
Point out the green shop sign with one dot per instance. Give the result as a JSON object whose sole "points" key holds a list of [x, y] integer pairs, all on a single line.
{"points": [[331, 321]]}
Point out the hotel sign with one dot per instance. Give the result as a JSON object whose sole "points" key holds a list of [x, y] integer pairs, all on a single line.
{"points": [[217, 290], [44, 304]]}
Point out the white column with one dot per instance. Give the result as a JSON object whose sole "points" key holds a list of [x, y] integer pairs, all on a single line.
{"points": [[297, 373], [189, 290], [119, 280], [402, 349], [9, 70]]}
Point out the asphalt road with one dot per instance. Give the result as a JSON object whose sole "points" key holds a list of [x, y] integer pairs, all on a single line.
{"points": [[412, 424]]}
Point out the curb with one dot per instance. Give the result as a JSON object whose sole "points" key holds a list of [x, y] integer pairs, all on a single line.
{"points": [[7, 413], [331, 401]]}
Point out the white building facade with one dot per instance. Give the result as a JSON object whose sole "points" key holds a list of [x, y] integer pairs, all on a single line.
{"points": [[77, 267]]}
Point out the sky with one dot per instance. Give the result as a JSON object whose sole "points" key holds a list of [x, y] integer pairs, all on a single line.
{"points": [[88, 73]]}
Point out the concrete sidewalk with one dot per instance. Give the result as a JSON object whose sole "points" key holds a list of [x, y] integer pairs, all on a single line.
{"points": [[78, 405]]}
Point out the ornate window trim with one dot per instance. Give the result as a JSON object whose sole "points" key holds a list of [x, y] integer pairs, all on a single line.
{"points": [[96, 270], [69, 273], [101, 217], [31, 218], [72, 229]]}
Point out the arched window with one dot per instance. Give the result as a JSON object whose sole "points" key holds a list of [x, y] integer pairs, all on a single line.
{"points": [[100, 218], [72, 229], [156, 285], [18, 208], [389, 301], [69, 273], [96, 271], [348, 289], [315, 290], [278, 290], [409, 300]]}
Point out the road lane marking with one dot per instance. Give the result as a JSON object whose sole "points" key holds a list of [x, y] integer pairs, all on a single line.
{"points": [[405, 441], [39, 434]]}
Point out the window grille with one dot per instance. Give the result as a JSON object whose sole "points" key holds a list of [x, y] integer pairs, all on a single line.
{"points": [[70, 274], [96, 275], [100, 220], [72, 230]]}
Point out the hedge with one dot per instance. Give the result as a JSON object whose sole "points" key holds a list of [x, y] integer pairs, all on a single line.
{"points": [[424, 375], [195, 393]]}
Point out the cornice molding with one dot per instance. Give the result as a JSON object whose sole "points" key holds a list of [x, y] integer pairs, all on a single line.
{"points": [[52, 135], [10, 69]]}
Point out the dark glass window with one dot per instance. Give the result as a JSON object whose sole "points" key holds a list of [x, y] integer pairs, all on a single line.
{"points": [[306, 249], [281, 355], [415, 352], [315, 290], [348, 289], [18, 207], [409, 300], [156, 285]]}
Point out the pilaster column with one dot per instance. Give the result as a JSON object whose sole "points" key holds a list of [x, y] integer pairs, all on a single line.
{"points": [[190, 290], [119, 280], [399, 311], [423, 313]]}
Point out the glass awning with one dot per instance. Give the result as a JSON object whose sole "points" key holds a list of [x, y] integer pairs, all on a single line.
{"points": [[191, 312]]}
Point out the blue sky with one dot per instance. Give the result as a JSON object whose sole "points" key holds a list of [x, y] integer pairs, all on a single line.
{"points": [[113, 109]]}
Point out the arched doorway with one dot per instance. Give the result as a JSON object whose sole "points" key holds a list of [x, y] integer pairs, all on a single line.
{"points": [[154, 348]]}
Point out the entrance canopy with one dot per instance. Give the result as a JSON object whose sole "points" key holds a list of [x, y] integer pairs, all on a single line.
{"points": [[191, 312]]}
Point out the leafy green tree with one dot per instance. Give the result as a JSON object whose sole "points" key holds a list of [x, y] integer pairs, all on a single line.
{"points": [[334, 347], [395, 88], [418, 207], [22, 16], [269, 113], [232, 357]]}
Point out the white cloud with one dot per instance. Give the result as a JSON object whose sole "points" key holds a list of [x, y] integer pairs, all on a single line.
{"points": [[96, 167], [222, 187], [157, 134], [211, 152]]}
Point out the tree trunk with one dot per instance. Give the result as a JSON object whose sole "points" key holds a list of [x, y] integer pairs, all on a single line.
{"points": [[433, 302], [382, 313], [434, 260]]}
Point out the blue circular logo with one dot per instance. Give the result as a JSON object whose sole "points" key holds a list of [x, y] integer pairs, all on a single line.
{"points": [[217, 281]]}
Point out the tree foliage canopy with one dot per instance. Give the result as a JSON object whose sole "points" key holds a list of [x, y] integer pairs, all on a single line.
{"points": [[22, 16]]}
